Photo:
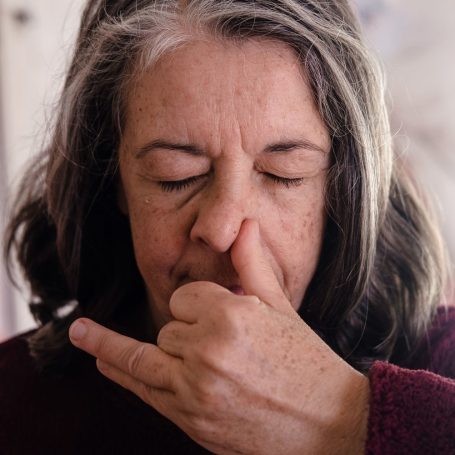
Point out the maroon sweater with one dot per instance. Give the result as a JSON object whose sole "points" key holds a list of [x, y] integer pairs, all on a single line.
{"points": [[412, 411]]}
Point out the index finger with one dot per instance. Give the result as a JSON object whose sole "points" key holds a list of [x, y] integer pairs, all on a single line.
{"points": [[143, 361], [255, 272]]}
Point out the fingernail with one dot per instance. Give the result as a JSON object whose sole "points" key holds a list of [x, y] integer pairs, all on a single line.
{"points": [[77, 330]]}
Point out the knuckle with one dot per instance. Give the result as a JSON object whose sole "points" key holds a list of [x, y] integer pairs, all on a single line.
{"points": [[206, 396], [168, 333], [214, 358], [188, 291], [252, 300], [196, 288], [175, 299], [232, 316], [135, 358], [163, 334], [144, 392], [161, 339], [197, 425], [192, 288], [200, 425], [102, 346]]}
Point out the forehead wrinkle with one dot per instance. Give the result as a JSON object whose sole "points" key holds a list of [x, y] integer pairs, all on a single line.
{"points": [[232, 103]]}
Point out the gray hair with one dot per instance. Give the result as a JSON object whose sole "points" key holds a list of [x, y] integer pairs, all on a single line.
{"points": [[381, 270]]}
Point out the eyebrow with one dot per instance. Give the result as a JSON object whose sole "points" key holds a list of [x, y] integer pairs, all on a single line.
{"points": [[287, 146], [192, 149], [164, 145]]}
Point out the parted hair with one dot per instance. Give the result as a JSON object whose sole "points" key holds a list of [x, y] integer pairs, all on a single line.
{"points": [[381, 271]]}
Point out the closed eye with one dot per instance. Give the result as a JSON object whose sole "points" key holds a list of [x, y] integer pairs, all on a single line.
{"points": [[284, 181], [179, 185]]}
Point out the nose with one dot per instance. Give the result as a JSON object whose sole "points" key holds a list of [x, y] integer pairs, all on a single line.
{"points": [[221, 212]]}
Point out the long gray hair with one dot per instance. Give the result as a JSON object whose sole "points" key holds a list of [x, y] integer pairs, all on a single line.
{"points": [[381, 270]]}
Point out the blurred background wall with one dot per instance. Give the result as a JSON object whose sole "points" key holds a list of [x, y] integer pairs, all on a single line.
{"points": [[416, 41], [414, 38], [35, 44]]}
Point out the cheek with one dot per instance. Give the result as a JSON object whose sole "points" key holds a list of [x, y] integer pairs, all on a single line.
{"points": [[158, 244], [302, 231]]}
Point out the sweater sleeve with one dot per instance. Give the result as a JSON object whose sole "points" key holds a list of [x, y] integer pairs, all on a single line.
{"points": [[413, 411]]}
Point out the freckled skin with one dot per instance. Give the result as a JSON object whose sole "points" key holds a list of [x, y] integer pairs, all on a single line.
{"points": [[231, 101], [245, 212]]}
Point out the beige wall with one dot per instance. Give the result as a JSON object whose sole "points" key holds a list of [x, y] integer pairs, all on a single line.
{"points": [[35, 36], [416, 39]]}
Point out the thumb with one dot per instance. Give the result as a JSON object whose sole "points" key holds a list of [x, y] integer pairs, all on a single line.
{"points": [[254, 270]]}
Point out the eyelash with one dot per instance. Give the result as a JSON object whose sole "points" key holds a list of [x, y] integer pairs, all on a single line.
{"points": [[179, 185], [284, 181]]}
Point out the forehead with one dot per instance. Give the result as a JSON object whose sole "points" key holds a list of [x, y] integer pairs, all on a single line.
{"points": [[212, 85]]}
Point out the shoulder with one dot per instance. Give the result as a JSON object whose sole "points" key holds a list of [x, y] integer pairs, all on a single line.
{"points": [[15, 344], [32, 403], [18, 381], [443, 321], [437, 349], [23, 384], [16, 364], [76, 411], [411, 409], [18, 371]]}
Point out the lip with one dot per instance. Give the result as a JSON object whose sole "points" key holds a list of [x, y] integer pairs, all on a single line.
{"points": [[238, 290]]}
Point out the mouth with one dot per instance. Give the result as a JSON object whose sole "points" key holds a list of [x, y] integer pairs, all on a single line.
{"points": [[237, 290]]}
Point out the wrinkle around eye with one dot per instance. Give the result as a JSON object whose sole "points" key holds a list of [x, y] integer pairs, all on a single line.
{"points": [[294, 164], [170, 164], [167, 175]]}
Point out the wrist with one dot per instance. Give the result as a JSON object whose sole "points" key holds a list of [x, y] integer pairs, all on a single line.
{"points": [[350, 422]]}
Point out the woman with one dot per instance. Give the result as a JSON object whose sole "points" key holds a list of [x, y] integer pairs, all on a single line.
{"points": [[221, 185]]}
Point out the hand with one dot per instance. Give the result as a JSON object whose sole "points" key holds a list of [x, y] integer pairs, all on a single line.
{"points": [[240, 374]]}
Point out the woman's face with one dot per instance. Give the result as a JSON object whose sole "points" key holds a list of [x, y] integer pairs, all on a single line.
{"points": [[218, 133]]}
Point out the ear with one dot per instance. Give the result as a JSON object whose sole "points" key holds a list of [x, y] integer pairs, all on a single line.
{"points": [[121, 199]]}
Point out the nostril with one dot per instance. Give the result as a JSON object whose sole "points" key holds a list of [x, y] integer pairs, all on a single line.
{"points": [[218, 219], [218, 234]]}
